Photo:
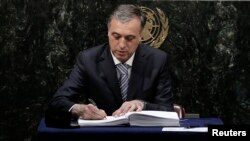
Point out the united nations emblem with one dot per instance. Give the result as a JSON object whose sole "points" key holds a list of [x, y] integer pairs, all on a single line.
{"points": [[156, 27]]}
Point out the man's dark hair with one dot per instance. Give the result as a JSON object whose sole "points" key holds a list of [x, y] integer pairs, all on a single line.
{"points": [[124, 13]]}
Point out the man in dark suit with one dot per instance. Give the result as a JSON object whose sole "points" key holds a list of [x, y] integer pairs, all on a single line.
{"points": [[95, 76]]}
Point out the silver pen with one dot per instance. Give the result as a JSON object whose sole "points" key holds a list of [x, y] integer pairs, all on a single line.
{"points": [[92, 102]]}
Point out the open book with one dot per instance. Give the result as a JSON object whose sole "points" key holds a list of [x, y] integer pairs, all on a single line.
{"points": [[142, 118]]}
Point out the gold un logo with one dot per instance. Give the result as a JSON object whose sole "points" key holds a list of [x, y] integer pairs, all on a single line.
{"points": [[156, 27]]}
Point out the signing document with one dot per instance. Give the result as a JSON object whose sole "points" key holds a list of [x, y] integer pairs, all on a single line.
{"points": [[142, 118]]}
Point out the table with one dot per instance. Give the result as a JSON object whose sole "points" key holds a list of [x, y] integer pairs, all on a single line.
{"points": [[45, 133]]}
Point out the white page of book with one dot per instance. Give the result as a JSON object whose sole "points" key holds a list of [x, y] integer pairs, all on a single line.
{"points": [[108, 121]]}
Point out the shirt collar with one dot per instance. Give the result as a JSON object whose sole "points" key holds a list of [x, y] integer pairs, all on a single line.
{"points": [[128, 62]]}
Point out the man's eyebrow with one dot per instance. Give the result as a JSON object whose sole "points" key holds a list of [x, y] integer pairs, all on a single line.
{"points": [[115, 33], [126, 36], [130, 36]]}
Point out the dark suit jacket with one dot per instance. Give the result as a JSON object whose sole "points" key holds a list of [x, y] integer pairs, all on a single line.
{"points": [[94, 76]]}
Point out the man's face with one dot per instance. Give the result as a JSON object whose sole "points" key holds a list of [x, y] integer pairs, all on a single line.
{"points": [[124, 38]]}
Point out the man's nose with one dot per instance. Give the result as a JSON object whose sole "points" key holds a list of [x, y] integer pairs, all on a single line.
{"points": [[122, 43]]}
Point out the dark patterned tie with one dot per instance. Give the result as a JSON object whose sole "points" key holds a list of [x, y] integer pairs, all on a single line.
{"points": [[123, 71]]}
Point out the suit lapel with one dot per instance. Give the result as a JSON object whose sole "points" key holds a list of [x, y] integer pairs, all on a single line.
{"points": [[137, 71], [108, 73]]}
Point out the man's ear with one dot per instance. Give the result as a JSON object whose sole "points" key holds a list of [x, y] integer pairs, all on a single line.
{"points": [[140, 40]]}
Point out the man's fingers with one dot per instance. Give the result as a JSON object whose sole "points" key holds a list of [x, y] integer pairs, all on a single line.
{"points": [[92, 112], [129, 106], [96, 113]]}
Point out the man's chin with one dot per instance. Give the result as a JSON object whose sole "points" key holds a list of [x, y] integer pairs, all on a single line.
{"points": [[122, 59]]}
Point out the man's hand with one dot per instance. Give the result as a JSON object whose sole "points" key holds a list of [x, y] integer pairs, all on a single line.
{"points": [[129, 106], [88, 111]]}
